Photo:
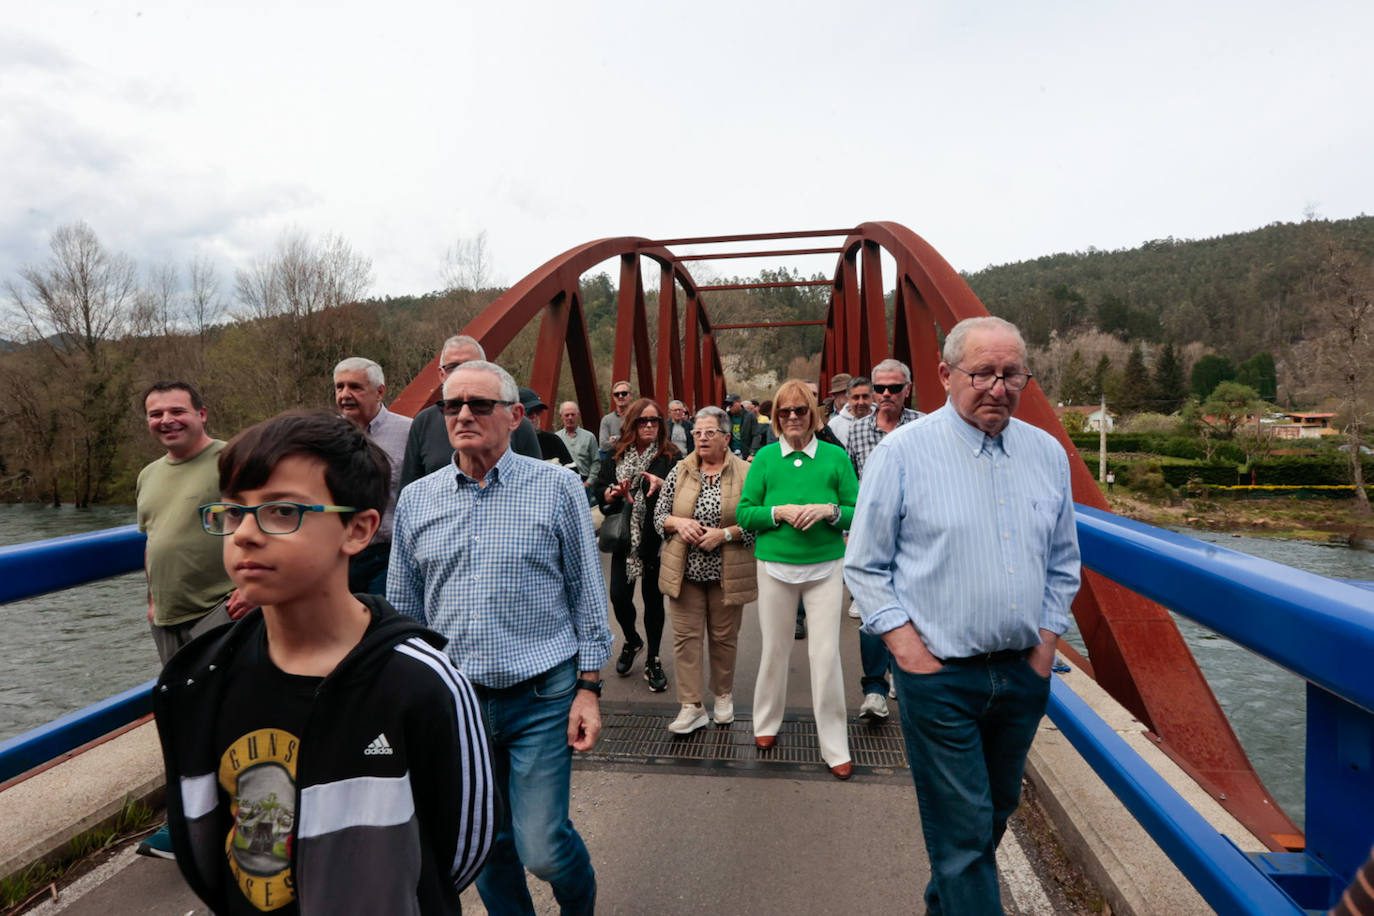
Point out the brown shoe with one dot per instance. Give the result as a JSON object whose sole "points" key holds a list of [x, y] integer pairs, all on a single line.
{"points": [[764, 742], [843, 771]]}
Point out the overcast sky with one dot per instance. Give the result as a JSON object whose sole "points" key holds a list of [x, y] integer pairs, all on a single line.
{"points": [[997, 131]]}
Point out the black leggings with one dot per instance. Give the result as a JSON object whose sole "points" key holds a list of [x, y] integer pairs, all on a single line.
{"points": [[623, 602]]}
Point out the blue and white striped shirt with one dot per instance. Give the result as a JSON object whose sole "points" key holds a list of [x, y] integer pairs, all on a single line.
{"points": [[508, 571], [969, 538]]}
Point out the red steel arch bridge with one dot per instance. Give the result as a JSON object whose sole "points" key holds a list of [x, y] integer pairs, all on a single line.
{"points": [[1135, 651]]}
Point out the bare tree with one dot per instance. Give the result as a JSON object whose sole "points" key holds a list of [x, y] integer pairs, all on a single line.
{"points": [[467, 265], [156, 305], [1345, 351], [83, 296], [203, 303], [290, 290], [77, 305]]}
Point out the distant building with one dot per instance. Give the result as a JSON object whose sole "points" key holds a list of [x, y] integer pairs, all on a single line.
{"points": [[1304, 426], [1090, 417]]}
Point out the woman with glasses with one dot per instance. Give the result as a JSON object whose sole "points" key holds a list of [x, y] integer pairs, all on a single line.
{"points": [[629, 481], [799, 498], [707, 567]]}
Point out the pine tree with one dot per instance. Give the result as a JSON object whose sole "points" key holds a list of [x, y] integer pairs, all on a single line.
{"points": [[1075, 387], [1135, 388], [1170, 388]]}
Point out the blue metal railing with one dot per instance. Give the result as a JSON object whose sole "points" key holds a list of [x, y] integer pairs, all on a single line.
{"points": [[1318, 628], [39, 567]]}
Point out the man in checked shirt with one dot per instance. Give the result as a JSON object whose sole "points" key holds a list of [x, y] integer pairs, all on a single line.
{"points": [[496, 551]]}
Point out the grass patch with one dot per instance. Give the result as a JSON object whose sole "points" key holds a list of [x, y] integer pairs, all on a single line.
{"points": [[20, 889]]}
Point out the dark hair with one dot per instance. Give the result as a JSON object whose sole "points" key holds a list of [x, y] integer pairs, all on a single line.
{"points": [[628, 435], [859, 381], [356, 470], [196, 402]]}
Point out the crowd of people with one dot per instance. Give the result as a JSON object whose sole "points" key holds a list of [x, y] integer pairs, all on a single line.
{"points": [[379, 563]]}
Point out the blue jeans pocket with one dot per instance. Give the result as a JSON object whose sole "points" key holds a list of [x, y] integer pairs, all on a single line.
{"points": [[556, 683]]}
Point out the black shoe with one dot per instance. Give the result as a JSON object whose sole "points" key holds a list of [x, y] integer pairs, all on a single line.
{"points": [[653, 673], [800, 632], [627, 658]]}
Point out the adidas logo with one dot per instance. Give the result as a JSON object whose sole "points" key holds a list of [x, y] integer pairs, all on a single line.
{"points": [[379, 746]]}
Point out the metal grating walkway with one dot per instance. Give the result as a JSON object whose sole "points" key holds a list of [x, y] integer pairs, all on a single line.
{"points": [[639, 740]]}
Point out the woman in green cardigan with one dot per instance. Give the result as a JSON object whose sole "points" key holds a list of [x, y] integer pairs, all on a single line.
{"points": [[799, 498]]}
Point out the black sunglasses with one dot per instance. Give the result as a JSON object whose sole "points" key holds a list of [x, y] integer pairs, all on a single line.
{"points": [[480, 407], [647, 421], [889, 389], [620, 394]]}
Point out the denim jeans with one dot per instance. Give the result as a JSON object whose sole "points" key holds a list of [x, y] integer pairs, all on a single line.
{"points": [[968, 728], [532, 765], [875, 659]]}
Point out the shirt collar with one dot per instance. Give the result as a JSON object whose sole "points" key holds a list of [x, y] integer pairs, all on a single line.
{"points": [[809, 450], [380, 420], [502, 468], [972, 436]]}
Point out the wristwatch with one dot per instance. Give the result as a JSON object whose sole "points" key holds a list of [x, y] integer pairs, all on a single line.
{"points": [[729, 536], [593, 686]]}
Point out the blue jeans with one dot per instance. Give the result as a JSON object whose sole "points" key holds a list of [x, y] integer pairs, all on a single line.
{"points": [[532, 765], [968, 728], [876, 659]]}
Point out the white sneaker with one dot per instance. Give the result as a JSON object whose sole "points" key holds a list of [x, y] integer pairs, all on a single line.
{"points": [[854, 610], [725, 709], [874, 707], [891, 689], [689, 720]]}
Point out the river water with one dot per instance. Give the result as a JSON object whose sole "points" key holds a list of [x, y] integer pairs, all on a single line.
{"points": [[65, 651]]}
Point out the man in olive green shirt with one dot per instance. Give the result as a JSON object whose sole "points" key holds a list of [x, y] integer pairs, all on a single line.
{"points": [[188, 589]]}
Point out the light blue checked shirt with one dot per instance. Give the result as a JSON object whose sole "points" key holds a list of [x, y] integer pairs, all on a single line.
{"points": [[509, 571], [971, 539]]}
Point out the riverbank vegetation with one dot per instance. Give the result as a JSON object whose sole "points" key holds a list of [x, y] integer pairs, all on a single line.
{"points": [[1283, 313]]}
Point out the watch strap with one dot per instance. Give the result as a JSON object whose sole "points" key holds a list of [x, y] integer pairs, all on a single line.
{"points": [[593, 686]]}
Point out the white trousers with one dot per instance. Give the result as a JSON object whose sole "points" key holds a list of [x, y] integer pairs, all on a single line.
{"points": [[777, 620]]}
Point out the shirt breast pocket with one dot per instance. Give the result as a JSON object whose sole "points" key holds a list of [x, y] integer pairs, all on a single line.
{"points": [[1041, 517]]}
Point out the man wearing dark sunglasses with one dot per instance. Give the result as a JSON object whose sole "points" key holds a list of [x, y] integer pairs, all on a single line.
{"points": [[496, 552], [621, 398], [891, 384], [427, 446]]}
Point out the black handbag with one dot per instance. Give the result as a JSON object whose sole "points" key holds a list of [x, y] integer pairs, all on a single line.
{"points": [[615, 532]]}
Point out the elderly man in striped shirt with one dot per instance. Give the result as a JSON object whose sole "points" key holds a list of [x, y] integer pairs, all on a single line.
{"points": [[963, 557], [496, 551]]}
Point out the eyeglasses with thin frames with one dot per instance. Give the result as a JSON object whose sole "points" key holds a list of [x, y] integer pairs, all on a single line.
{"points": [[706, 433], [480, 407], [223, 519], [984, 381]]}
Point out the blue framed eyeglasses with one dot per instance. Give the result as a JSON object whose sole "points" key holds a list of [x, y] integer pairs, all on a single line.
{"points": [[221, 519]]}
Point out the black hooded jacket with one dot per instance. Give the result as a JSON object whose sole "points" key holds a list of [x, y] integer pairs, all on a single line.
{"points": [[395, 808]]}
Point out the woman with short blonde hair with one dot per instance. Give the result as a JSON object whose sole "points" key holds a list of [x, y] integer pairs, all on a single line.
{"points": [[799, 498]]}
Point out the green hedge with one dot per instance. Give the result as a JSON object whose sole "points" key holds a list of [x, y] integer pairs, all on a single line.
{"points": [[1160, 444], [1226, 475]]}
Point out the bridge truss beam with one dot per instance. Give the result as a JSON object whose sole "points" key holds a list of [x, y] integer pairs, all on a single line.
{"points": [[1134, 648]]}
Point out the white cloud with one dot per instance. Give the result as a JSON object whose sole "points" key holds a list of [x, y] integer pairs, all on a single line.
{"points": [[996, 131]]}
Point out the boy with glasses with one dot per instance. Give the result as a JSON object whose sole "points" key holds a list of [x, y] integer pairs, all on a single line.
{"points": [[322, 754]]}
